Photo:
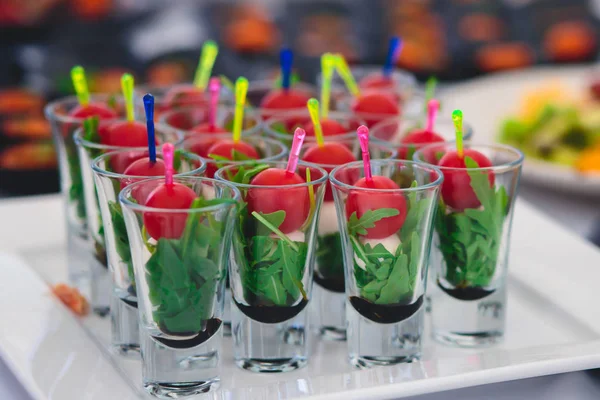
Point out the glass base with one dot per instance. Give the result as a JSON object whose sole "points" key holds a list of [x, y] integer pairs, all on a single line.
{"points": [[101, 288], [328, 313], [125, 338], [227, 313], [266, 347], [468, 340], [181, 390], [468, 323], [372, 344], [370, 362], [175, 369], [283, 365]]}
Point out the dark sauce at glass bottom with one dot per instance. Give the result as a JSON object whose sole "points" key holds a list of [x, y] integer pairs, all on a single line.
{"points": [[336, 285], [385, 313], [271, 314], [212, 326], [467, 293]]}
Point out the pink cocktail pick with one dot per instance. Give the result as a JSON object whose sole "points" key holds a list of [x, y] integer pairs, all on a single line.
{"points": [[363, 138], [214, 87], [299, 135], [167, 150]]}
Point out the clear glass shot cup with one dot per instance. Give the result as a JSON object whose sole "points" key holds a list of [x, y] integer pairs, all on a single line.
{"points": [[328, 306], [271, 269], [401, 82], [125, 337], [386, 239], [97, 258], [469, 260], [180, 260], [282, 125], [410, 103], [189, 118], [393, 130], [258, 90], [181, 95], [71, 184], [267, 149]]}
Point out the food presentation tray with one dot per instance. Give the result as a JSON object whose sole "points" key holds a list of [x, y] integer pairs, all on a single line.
{"points": [[552, 325]]}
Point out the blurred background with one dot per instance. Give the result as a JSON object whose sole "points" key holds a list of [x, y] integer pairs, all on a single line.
{"points": [[159, 41]]}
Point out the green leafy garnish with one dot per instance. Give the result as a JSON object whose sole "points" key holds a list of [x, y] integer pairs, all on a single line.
{"points": [[121, 239], [384, 277], [183, 274], [470, 240]]}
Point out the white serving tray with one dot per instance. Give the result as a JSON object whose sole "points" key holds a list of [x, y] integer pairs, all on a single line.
{"points": [[552, 326]]}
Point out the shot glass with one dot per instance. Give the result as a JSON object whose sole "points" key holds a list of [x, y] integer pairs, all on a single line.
{"points": [[282, 125], [469, 258], [267, 150], [125, 337], [71, 184], [194, 120], [386, 238], [180, 260], [272, 266], [394, 130], [328, 306], [88, 150]]}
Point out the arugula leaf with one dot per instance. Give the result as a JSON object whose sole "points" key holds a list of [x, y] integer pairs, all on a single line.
{"points": [[368, 219]]}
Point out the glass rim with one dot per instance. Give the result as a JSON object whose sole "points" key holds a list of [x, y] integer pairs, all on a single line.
{"points": [[258, 84], [50, 108], [420, 164], [158, 127], [415, 117], [237, 196], [271, 141], [248, 112], [381, 144], [323, 178], [503, 167], [115, 175]]}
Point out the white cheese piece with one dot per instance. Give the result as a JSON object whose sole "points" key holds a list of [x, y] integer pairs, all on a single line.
{"points": [[390, 243], [208, 192], [328, 222]]}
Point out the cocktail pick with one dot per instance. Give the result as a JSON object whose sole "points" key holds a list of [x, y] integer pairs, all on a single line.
{"points": [[433, 107], [457, 118], [241, 89], [149, 109], [80, 85], [286, 59], [167, 150], [127, 87], [327, 67], [394, 49], [205, 64], [299, 135], [344, 70], [313, 110], [430, 86], [363, 138], [214, 88]]}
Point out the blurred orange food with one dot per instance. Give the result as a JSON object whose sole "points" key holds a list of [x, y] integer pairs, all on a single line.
{"points": [[28, 156], [481, 27], [167, 73], [250, 30], [20, 101], [29, 128], [501, 56], [589, 161], [72, 298], [570, 41]]}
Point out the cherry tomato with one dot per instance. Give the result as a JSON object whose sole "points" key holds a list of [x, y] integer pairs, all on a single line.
{"points": [[360, 202], [168, 225], [381, 105], [120, 162], [208, 128], [415, 140], [330, 153], [330, 128], [456, 189], [99, 110], [377, 81], [184, 96], [127, 134], [294, 201], [224, 148], [143, 167], [281, 99]]}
